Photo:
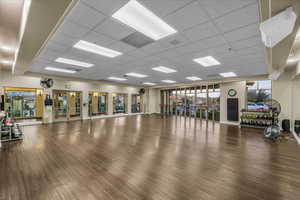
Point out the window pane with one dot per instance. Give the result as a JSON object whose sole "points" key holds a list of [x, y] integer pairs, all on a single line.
{"points": [[266, 84]]}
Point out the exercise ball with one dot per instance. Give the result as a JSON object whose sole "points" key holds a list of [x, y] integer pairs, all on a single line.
{"points": [[272, 132]]}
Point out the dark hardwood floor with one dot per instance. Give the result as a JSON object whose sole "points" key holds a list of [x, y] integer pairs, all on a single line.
{"points": [[147, 157]]}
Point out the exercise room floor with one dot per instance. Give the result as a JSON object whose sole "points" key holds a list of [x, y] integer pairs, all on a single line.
{"points": [[147, 157]]}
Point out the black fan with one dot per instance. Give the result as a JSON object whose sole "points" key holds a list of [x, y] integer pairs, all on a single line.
{"points": [[46, 82], [142, 91]]}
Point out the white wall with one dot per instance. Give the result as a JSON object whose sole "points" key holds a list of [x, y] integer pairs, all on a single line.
{"points": [[240, 87], [6, 79], [286, 91]]}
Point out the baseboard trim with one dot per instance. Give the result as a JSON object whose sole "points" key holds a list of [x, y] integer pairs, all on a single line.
{"points": [[29, 123], [111, 116]]}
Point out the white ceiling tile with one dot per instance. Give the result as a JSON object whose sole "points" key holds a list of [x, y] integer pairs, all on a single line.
{"points": [[55, 46], [153, 48], [48, 54], [249, 42], [259, 49], [114, 29], [138, 54], [217, 8], [165, 7], [173, 41], [64, 39], [201, 45], [122, 47], [98, 38], [85, 16], [72, 29], [243, 32], [169, 54], [201, 31], [187, 17], [107, 7], [238, 18]]}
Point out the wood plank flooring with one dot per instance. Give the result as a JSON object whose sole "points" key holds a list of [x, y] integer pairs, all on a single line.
{"points": [[147, 158]]}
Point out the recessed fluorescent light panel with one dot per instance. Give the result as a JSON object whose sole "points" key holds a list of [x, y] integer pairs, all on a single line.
{"points": [[93, 48], [207, 61], [164, 69], [7, 49], [136, 75], [228, 74], [6, 62], [60, 70], [117, 78], [74, 62], [143, 20], [168, 81], [193, 78], [149, 83]]}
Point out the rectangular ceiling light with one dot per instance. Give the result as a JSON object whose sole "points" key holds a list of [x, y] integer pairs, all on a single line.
{"points": [[136, 75], [207, 61], [228, 74], [193, 78], [164, 69], [93, 48], [74, 62], [6, 62], [7, 49], [143, 20], [117, 78], [60, 70], [168, 81], [149, 83]]}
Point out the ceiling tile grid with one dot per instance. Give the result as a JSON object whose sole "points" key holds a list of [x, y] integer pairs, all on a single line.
{"points": [[227, 30]]}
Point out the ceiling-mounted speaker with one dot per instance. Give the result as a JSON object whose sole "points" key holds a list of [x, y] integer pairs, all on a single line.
{"points": [[278, 27]]}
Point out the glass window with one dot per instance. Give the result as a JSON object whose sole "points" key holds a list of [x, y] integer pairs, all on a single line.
{"points": [[259, 92]]}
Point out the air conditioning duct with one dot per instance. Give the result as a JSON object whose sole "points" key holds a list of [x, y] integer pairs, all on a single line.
{"points": [[278, 27]]}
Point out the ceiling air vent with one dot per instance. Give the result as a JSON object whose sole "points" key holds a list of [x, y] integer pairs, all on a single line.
{"points": [[137, 40]]}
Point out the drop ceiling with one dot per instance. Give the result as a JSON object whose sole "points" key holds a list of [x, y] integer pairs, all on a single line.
{"points": [[227, 30]]}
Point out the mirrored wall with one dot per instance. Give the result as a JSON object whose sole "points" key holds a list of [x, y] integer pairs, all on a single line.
{"points": [[66, 104], [199, 101], [119, 103], [136, 103], [97, 103], [23, 103]]}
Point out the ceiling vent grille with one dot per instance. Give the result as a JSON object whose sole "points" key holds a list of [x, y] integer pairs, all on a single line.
{"points": [[137, 40]]}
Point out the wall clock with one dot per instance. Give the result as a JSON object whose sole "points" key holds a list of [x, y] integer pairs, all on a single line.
{"points": [[232, 92]]}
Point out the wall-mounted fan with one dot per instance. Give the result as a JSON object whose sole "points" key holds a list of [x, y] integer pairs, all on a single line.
{"points": [[46, 83]]}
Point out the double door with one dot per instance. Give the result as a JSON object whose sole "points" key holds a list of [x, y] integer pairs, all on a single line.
{"points": [[67, 105]]}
